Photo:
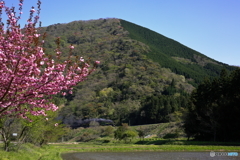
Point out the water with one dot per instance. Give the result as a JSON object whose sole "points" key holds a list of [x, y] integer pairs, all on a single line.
{"points": [[144, 156]]}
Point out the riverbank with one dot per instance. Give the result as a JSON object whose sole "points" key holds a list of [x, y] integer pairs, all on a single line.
{"points": [[54, 151]]}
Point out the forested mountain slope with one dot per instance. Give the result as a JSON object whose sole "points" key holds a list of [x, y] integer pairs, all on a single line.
{"points": [[143, 76], [171, 54]]}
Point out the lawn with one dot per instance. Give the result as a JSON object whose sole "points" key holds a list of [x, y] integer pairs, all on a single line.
{"points": [[54, 151]]}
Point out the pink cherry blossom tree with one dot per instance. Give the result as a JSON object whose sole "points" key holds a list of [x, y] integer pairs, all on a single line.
{"points": [[28, 76]]}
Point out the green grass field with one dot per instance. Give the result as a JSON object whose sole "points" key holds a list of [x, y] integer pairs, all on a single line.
{"points": [[109, 144], [54, 151]]}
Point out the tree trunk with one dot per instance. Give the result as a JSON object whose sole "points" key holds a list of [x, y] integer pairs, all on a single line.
{"points": [[6, 145], [6, 140], [5, 131]]}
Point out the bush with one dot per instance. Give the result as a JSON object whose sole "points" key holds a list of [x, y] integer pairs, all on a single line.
{"points": [[106, 141], [171, 135]]}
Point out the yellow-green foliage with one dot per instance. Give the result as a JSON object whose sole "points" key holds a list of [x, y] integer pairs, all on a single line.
{"points": [[31, 152]]}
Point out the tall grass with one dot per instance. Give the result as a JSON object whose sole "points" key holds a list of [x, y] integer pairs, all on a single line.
{"points": [[31, 152]]}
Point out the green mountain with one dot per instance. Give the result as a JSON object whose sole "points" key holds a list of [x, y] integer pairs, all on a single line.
{"points": [[144, 77], [172, 54]]}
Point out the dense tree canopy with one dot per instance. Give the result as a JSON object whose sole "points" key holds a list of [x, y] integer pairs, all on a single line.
{"points": [[214, 110]]}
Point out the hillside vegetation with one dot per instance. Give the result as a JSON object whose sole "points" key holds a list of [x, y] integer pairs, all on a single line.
{"points": [[171, 54], [143, 77]]}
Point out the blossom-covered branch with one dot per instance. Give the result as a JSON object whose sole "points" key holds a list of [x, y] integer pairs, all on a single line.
{"points": [[28, 77]]}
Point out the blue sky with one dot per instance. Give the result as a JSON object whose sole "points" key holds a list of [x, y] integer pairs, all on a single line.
{"points": [[211, 27]]}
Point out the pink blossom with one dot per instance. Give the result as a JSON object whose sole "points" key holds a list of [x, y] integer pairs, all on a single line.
{"points": [[42, 63], [97, 62], [81, 59], [32, 10], [32, 77], [36, 35]]}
